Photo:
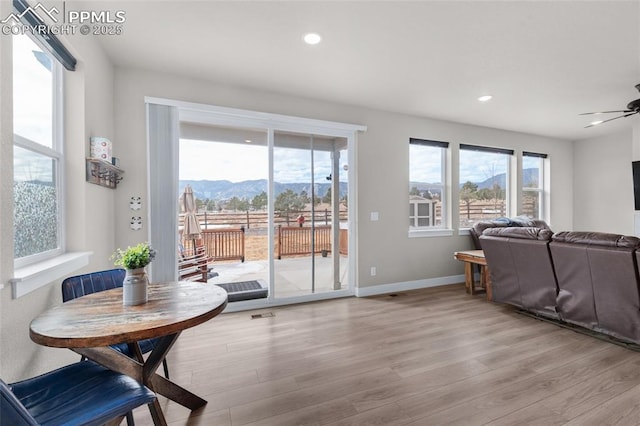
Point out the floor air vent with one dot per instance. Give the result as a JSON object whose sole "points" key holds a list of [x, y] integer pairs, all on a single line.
{"points": [[265, 315]]}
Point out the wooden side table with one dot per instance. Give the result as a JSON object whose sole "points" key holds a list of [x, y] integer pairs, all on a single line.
{"points": [[470, 258]]}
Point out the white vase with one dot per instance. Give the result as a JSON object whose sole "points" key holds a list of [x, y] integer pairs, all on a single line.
{"points": [[134, 287]]}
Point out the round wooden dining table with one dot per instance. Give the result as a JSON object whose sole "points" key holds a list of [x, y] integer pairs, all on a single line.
{"points": [[89, 324]]}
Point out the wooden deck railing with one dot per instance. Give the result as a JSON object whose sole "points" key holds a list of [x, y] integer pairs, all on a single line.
{"points": [[296, 240], [224, 243]]}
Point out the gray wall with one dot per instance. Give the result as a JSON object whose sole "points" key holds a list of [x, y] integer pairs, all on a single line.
{"points": [[603, 194], [603, 197]]}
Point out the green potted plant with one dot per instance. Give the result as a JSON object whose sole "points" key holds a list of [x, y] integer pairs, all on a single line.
{"points": [[134, 260]]}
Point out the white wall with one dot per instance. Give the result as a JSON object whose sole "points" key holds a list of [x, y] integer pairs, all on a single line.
{"points": [[603, 184], [382, 168], [89, 107]]}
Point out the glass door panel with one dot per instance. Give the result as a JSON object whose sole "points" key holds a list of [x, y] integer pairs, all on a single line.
{"points": [[227, 170], [307, 214]]}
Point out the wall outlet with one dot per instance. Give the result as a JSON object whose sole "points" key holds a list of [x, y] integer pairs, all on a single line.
{"points": [[373, 271], [374, 216]]}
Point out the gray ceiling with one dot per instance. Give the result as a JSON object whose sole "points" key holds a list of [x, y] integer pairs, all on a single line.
{"points": [[544, 62]]}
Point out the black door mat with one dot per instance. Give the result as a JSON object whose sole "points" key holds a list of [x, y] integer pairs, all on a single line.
{"points": [[244, 290]]}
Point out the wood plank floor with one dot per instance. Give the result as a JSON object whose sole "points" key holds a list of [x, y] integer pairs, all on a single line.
{"points": [[426, 357]]}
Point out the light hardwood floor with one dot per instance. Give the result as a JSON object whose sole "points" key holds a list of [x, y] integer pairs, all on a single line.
{"points": [[427, 357]]}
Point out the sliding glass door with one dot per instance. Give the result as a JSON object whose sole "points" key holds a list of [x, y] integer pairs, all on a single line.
{"points": [[271, 198]]}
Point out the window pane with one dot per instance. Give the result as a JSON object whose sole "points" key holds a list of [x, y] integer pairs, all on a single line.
{"points": [[424, 222], [32, 92], [483, 186], [531, 204], [425, 182], [36, 207], [423, 209], [532, 172]]}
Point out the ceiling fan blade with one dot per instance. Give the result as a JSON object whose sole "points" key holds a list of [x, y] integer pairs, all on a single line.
{"points": [[604, 112], [611, 119]]}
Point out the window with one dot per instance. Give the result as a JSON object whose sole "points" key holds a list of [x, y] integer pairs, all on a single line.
{"points": [[427, 195], [484, 178], [37, 158], [533, 185]]}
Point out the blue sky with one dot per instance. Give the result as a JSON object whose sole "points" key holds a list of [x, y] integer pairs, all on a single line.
{"points": [[32, 102], [474, 166], [200, 160]]}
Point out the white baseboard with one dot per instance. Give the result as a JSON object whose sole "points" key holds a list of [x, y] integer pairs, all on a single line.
{"points": [[408, 285]]}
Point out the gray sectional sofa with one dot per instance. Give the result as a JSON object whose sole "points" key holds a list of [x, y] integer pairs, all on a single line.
{"points": [[589, 279]]}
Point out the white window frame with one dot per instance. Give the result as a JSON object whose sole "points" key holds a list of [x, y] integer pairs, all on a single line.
{"points": [[541, 184], [443, 228], [56, 152]]}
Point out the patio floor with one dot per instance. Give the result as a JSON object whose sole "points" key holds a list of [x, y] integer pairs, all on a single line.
{"points": [[292, 275]]}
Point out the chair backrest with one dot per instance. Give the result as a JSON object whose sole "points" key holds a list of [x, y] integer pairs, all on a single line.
{"points": [[598, 281], [12, 412], [522, 272], [81, 285]]}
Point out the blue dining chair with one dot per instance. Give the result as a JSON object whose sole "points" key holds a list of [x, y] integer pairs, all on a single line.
{"points": [[81, 285], [83, 393]]}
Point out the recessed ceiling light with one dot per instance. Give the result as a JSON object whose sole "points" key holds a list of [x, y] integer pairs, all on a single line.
{"points": [[312, 38], [595, 123], [485, 98], [248, 140]]}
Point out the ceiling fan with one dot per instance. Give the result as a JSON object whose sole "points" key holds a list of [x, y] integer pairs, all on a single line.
{"points": [[632, 108]]}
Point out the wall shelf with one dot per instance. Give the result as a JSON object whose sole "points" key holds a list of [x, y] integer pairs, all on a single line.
{"points": [[102, 173]]}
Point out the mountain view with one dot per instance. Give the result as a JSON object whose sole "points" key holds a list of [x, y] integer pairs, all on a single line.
{"points": [[225, 190], [528, 176]]}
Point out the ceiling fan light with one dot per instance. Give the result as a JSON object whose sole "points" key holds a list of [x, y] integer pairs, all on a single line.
{"points": [[595, 123]]}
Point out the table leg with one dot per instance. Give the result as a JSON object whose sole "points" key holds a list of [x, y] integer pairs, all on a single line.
{"points": [[121, 363], [468, 277], [145, 372], [487, 283], [163, 386], [176, 393]]}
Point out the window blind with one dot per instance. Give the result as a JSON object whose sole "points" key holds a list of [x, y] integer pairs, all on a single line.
{"points": [[49, 41]]}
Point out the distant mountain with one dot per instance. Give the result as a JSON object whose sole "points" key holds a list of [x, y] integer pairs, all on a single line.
{"points": [[528, 176], [225, 190]]}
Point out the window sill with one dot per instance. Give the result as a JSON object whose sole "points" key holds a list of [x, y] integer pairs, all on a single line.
{"points": [[426, 233], [32, 277], [464, 231]]}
